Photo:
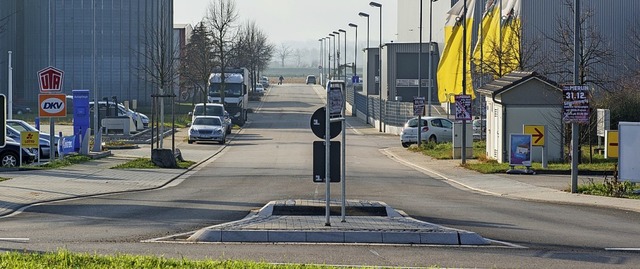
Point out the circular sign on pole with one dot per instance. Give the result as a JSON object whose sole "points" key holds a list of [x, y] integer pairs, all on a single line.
{"points": [[318, 125]]}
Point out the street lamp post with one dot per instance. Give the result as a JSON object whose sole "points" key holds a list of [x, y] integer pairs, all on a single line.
{"points": [[430, 52], [355, 72], [337, 59], [334, 53], [378, 5], [344, 53], [362, 14], [321, 40], [355, 50], [419, 140]]}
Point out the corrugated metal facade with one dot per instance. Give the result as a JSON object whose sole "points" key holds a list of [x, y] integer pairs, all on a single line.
{"points": [[121, 27], [613, 20]]}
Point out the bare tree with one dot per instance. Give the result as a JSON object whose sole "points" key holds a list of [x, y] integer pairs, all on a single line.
{"points": [[222, 17], [512, 53], [255, 52], [283, 52], [199, 60], [159, 60], [596, 56]]}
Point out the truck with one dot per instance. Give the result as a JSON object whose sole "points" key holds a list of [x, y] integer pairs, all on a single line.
{"points": [[236, 93]]}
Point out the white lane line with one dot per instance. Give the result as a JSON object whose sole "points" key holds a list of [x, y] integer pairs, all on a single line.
{"points": [[15, 239], [622, 249], [511, 245]]}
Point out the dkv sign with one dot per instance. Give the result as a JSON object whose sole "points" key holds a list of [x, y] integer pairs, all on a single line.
{"points": [[52, 105]]}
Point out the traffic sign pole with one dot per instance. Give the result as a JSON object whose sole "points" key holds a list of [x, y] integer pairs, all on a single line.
{"points": [[327, 159]]}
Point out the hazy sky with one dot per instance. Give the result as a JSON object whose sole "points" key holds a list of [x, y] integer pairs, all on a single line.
{"points": [[302, 21]]}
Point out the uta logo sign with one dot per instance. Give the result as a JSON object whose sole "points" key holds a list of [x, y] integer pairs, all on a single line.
{"points": [[50, 79]]}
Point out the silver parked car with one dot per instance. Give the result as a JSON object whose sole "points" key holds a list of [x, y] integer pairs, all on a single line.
{"points": [[434, 129], [212, 109], [207, 128]]}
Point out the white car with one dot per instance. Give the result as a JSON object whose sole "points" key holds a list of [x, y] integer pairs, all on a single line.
{"points": [[434, 129], [212, 109], [207, 128], [259, 89]]}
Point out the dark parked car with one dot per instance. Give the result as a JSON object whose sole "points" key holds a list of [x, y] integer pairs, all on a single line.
{"points": [[10, 154], [20, 109]]}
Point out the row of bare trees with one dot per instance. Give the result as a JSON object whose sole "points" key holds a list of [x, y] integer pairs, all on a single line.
{"points": [[220, 42]]}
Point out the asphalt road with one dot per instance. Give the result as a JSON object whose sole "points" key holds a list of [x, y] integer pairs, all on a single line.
{"points": [[271, 160]]}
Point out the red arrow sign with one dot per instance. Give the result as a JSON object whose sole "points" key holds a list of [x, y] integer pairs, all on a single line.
{"points": [[539, 135]]}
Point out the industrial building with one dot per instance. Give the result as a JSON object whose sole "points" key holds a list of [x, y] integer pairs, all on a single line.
{"points": [[71, 34]]}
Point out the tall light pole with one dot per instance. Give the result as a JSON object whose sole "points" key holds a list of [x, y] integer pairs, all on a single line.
{"points": [[430, 52], [378, 5], [464, 79], [337, 59], [320, 62], [419, 140], [362, 14], [355, 50], [334, 55], [327, 59], [344, 53], [354, 111]]}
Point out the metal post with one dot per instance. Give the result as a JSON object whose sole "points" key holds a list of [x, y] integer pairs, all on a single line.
{"points": [[464, 80], [575, 128], [419, 141], [96, 125], [344, 56], [430, 52], [354, 110], [362, 14], [344, 152], [321, 63], [337, 59], [334, 55], [378, 5], [327, 159], [10, 97]]}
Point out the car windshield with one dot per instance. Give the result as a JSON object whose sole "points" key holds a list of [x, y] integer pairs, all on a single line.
{"points": [[211, 110], [414, 123], [231, 90], [207, 121], [22, 128]]}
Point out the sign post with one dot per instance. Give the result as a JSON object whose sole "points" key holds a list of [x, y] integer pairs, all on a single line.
{"points": [[333, 119], [538, 134], [575, 111], [50, 81]]}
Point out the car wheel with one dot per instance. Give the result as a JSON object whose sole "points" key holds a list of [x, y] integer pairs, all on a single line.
{"points": [[433, 139], [9, 159], [224, 140], [190, 141], [405, 145]]}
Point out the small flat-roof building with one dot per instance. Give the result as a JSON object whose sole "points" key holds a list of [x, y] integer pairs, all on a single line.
{"points": [[523, 98]]}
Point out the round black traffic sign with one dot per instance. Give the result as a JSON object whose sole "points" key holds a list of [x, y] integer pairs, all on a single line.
{"points": [[318, 124]]}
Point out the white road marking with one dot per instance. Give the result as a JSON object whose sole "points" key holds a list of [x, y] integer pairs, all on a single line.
{"points": [[15, 239], [622, 249]]}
